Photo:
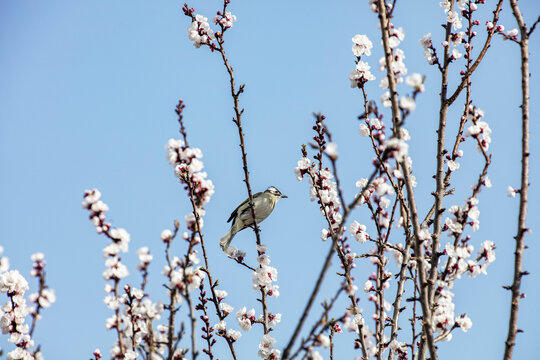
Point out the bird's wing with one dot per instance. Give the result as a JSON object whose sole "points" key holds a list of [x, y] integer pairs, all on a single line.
{"points": [[235, 212]]}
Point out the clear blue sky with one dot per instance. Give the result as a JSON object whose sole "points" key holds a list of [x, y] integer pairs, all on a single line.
{"points": [[87, 96]]}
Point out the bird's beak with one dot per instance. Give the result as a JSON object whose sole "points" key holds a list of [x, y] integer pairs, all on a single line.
{"points": [[284, 196]]}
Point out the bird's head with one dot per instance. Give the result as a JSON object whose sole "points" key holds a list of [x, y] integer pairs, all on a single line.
{"points": [[275, 192]]}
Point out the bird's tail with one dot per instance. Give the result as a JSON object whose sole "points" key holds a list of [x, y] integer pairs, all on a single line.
{"points": [[226, 240]]}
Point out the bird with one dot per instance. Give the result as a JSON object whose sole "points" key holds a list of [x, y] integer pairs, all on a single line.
{"points": [[263, 203]]}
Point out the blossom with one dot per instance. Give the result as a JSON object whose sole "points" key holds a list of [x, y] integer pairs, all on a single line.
{"points": [[454, 19], [456, 54], [121, 238], [385, 99], [454, 226], [415, 81], [166, 235], [325, 234], [263, 259], [234, 335], [511, 192], [301, 169], [358, 231], [144, 258], [331, 150], [513, 32], [245, 318], [227, 20], [457, 38], [464, 322], [226, 308], [368, 286], [221, 294], [220, 327], [487, 251], [445, 5], [453, 165], [397, 148], [364, 130], [425, 41], [12, 282], [361, 45], [266, 345], [362, 183], [200, 32], [396, 36], [264, 276], [407, 103], [274, 319], [360, 74]]}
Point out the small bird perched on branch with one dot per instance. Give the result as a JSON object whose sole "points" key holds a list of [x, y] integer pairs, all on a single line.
{"points": [[263, 204]]}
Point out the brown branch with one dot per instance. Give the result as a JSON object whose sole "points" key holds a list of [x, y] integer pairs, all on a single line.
{"points": [[523, 193], [533, 27], [426, 309], [439, 179]]}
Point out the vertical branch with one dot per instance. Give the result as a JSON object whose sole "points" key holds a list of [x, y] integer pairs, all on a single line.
{"points": [[439, 175], [396, 120], [523, 193]]}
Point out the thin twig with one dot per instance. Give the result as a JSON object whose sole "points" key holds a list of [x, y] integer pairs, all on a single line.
{"points": [[487, 43]]}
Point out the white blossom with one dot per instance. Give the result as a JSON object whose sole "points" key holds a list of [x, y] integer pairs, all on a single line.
{"points": [[361, 45], [415, 81], [360, 74], [464, 322]]}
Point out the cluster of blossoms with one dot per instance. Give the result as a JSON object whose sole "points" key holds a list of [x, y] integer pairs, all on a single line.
{"points": [[188, 167], [97, 208], [443, 315], [119, 237], [397, 66], [184, 278], [358, 231], [265, 275], [461, 214], [225, 20], [429, 50], [361, 74], [226, 309], [200, 32], [457, 263], [13, 314], [45, 297], [136, 316], [479, 129], [231, 334], [15, 310]]}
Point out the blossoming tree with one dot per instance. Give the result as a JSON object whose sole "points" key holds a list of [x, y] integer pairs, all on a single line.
{"points": [[404, 308]]}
